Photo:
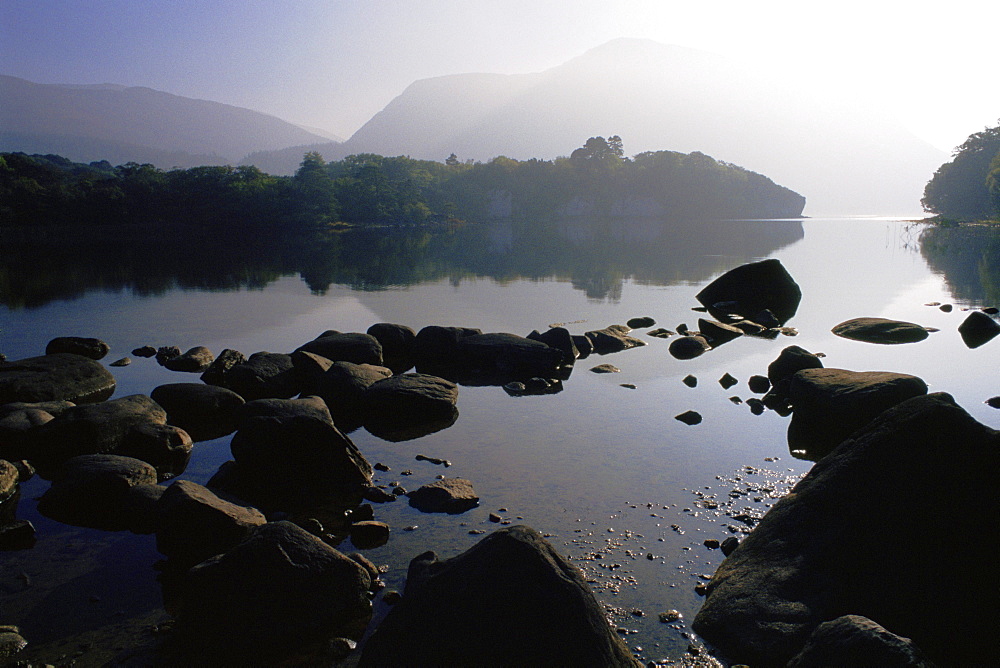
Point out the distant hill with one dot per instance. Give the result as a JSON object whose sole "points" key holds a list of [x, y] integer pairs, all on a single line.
{"points": [[121, 124], [657, 97]]}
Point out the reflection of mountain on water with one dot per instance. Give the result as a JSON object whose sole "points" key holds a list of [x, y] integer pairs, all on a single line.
{"points": [[968, 258], [596, 256]]}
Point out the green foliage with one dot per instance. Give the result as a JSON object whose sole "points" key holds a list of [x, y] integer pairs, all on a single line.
{"points": [[374, 190], [968, 187]]}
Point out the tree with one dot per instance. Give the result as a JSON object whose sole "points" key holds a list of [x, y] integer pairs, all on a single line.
{"points": [[452, 160], [961, 188], [315, 189]]}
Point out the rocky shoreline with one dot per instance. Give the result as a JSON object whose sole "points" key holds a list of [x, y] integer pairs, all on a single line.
{"points": [[269, 520]]}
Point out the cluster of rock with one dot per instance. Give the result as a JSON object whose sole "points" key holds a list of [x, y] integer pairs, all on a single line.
{"points": [[243, 588]]}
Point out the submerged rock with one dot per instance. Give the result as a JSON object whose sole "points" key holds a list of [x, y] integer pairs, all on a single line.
{"points": [[204, 411], [450, 495], [90, 490], [752, 288], [94, 349], [56, 377], [881, 330], [844, 540], [510, 600], [830, 404]]}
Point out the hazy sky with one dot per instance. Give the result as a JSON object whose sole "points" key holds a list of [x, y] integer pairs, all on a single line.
{"points": [[333, 64]]}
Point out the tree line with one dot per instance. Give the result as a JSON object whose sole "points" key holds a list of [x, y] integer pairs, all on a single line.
{"points": [[968, 187], [365, 190]]}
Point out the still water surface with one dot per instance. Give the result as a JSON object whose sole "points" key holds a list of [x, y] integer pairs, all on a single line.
{"points": [[620, 487]]}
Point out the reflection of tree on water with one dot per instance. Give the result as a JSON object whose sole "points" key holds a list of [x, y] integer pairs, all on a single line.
{"points": [[597, 257], [968, 257]]}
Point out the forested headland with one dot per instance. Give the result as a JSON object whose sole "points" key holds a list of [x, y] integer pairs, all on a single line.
{"points": [[968, 187], [373, 190]]}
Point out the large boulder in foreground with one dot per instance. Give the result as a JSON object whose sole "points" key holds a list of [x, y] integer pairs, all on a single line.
{"points": [[204, 411], [510, 600], [752, 288], [880, 330], [276, 597], [880, 527], [502, 357], [264, 375], [410, 397], [56, 377], [830, 404]]}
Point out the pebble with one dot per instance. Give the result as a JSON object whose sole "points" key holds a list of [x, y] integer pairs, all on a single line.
{"points": [[670, 616], [690, 381], [993, 402], [712, 543], [727, 381], [495, 518], [125, 361], [689, 417], [628, 386], [605, 368]]}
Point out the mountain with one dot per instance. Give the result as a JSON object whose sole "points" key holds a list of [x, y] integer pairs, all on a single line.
{"points": [[841, 155], [121, 124]]}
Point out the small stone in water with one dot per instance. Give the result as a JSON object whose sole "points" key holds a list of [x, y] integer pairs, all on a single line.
{"points": [[669, 616], [125, 361], [628, 386], [712, 543], [605, 368], [690, 381], [689, 417], [727, 381], [993, 402]]}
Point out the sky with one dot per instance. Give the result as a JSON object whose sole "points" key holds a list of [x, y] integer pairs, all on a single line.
{"points": [[333, 64]]}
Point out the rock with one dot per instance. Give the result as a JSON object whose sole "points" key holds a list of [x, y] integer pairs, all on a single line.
{"points": [[688, 346], [124, 361], [690, 381], [853, 641], [293, 461], [90, 490], [498, 358], [450, 495], [752, 288], [410, 397], [94, 428], [756, 406], [276, 598], [215, 374], [166, 447], [759, 384], [510, 600], [844, 539], [766, 319], [144, 351], [283, 409], [397, 343], [204, 411], [560, 339], [435, 345], [830, 404], [750, 328], [354, 347], [195, 360], [718, 333], [689, 417], [727, 381], [11, 642], [584, 346], [368, 534], [792, 359], [57, 377], [993, 402], [19, 423], [265, 375], [9, 477], [141, 509], [612, 339], [343, 385], [94, 349], [605, 368], [164, 353], [729, 545], [17, 535], [643, 321], [661, 333], [977, 329], [310, 368], [195, 524], [880, 330]]}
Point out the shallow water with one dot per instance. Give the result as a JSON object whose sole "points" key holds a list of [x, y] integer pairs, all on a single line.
{"points": [[606, 472]]}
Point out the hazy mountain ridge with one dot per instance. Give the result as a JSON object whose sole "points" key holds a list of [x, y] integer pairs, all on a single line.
{"points": [[844, 158], [121, 124]]}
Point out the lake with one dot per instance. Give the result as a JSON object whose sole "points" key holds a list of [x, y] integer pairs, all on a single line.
{"points": [[618, 485]]}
